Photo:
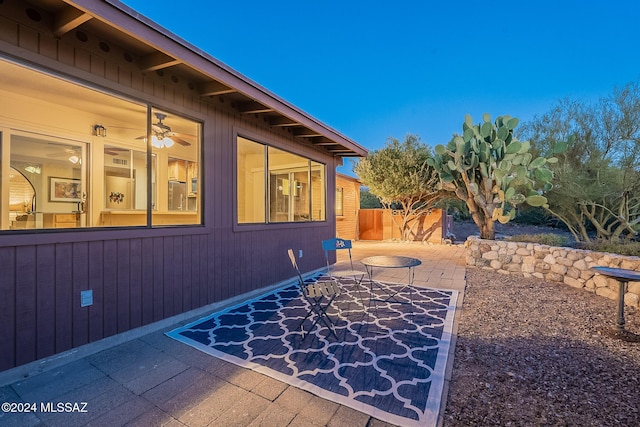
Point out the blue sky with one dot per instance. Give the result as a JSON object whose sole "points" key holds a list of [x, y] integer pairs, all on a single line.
{"points": [[372, 70]]}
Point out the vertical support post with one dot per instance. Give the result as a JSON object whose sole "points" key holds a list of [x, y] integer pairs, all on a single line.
{"points": [[620, 324]]}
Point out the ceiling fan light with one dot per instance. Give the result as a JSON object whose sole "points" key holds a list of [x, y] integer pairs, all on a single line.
{"points": [[168, 142], [74, 159], [156, 142]]}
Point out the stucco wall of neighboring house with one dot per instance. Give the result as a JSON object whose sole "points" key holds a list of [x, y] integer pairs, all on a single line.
{"points": [[347, 223], [381, 224]]}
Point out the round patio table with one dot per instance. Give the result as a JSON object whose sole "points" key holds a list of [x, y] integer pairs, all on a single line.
{"points": [[391, 261], [623, 276]]}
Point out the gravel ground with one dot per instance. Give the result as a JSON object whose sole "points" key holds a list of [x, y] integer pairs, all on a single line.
{"points": [[532, 353]]}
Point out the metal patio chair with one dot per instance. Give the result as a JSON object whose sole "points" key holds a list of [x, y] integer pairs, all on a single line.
{"points": [[337, 244], [320, 295]]}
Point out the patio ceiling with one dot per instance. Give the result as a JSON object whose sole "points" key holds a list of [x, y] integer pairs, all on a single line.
{"points": [[152, 48]]}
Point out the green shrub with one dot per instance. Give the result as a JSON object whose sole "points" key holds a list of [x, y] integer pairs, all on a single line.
{"points": [[532, 216], [629, 249], [549, 239]]}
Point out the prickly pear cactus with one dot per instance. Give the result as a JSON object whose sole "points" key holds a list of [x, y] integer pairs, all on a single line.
{"points": [[492, 171]]}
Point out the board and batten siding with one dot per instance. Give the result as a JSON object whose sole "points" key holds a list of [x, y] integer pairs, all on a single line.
{"points": [[134, 281], [140, 275]]}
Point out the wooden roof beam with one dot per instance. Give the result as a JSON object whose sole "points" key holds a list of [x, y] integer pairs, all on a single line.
{"points": [[282, 121], [214, 88], [157, 61], [304, 132], [253, 107], [323, 140], [69, 19]]}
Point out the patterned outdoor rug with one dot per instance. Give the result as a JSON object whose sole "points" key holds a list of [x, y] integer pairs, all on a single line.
{"points": [[388, 361]]}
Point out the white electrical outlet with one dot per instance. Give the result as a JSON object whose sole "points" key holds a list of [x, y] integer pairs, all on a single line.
{"points": [[300, 253]]}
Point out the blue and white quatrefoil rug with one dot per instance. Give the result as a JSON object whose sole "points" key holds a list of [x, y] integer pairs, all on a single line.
{"points": [[388, 361]]}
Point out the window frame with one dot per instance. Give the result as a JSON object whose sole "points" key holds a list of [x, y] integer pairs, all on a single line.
{"points": [[266, 223]]}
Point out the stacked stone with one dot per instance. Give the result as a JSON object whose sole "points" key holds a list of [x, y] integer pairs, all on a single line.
{"points": [[554, 264]]}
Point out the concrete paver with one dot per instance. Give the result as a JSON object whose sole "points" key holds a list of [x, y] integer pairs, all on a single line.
{"points": [[319, 410], [273, 415], [172, 387], [153, 417], [347, 417], [123, 414], [243, 411], [191, 396], [294, 399], [155, 380], [269, 388]]}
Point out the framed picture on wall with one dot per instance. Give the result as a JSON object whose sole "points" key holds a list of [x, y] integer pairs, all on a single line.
{"points": [[65, 190]]}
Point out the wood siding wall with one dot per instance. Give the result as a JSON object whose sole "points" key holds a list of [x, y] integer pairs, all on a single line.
{"points": [[139, 276], [347, 223]]}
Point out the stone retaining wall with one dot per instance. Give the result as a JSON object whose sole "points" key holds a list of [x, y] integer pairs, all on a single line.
{"points": [[554, 264]]}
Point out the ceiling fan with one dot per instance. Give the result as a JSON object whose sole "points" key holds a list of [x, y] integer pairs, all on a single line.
{"points": [[162, 135], [67, 152]]}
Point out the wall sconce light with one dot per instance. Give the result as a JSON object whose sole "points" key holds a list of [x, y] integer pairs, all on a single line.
{"points": [[99, 130]]}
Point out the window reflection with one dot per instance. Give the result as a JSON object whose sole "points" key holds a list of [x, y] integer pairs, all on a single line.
{"points": [[22, 196], [295, 189], [98, 163], [125, 178], [47, 179], [289, 187], [174, 142], [250, 180], [318, 192]]}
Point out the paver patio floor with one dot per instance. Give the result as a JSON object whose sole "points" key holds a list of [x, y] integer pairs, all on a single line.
{"points": [[155, 380]]}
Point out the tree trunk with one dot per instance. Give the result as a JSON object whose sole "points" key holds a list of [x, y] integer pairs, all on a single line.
{"points": [[484, 222], [486, 230]]}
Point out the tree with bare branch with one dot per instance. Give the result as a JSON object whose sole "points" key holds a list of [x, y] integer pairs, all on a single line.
{"points": [[398, 174], [597, 184]]}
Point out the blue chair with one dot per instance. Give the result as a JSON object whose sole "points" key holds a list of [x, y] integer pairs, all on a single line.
{"points": [[319, 295], [337, 244]]}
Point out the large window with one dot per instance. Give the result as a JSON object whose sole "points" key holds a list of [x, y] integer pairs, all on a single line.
{"points": [[75, 157], [176, 175], [251, 162], [277, 186], [317, 192]]}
